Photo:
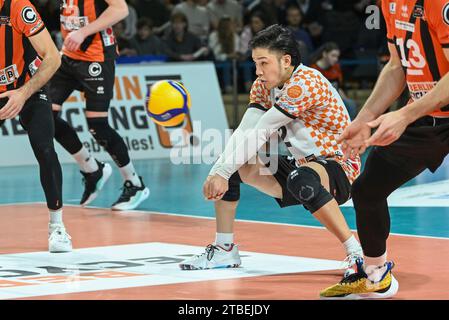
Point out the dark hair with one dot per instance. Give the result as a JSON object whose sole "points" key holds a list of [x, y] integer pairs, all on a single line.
{"points": [[326, 47], [226, 34], [145, 22], [279, 39]]}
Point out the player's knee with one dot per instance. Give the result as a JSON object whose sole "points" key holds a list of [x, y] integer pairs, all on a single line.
{"points": [[305, 185], [101, 131], [364, 193], [44, 152], [233, 193], [109, 139]]}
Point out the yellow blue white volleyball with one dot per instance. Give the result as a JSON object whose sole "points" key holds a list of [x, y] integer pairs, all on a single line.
{"points": [[168, 102]]}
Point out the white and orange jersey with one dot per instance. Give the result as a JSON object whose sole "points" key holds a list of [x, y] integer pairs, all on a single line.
{"points": [[319, 116], [419, 29]]}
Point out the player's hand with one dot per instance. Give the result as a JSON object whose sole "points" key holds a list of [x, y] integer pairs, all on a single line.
{"points": [[353, 139], [16, 101], [74, 40], [390, 127], [215, 187]]}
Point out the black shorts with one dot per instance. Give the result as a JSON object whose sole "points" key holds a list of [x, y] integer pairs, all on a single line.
{"points": [[339, 185], [424, 143], [95, 79]]}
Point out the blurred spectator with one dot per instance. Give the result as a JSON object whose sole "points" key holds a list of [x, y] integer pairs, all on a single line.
{"points": [[268, 9], [230, 8], [281, 11], [257, 23], [326, 61], [313, 13], [156, 10], [294, 23], [198, 17], [130, 23], [224, 43], [341, 25], [183, 45], [126, 47], [148, 42]]}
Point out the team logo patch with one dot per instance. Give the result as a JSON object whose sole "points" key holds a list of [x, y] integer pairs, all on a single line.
{"points": [[446, 13], [95, 69], [418, 11], [29, 15], [294, 92]]}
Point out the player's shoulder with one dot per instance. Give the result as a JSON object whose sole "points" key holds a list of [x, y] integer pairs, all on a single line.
{"points": [[305, 76], [437, 9]]}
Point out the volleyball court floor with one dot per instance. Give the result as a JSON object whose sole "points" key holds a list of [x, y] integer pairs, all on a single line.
{"points": [[135, 255]]}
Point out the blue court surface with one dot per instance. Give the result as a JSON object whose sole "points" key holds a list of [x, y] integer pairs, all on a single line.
{"points": [[420, 208]]}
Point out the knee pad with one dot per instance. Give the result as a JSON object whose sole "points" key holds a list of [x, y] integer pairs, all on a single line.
{"points": [[66, 135], [233, 193], [109, 139], [305, 185]]}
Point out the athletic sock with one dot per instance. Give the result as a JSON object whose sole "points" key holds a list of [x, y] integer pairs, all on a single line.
{"points": [[85, 160], [375, 267], [129, 173], [56, 217], [352, 246], [224, 240]]}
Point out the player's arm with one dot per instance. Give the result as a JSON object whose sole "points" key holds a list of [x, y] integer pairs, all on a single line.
{"points": [[252, 141], [116, 11], [435, 99], [389, 86], [249, 121], [51, 60]]}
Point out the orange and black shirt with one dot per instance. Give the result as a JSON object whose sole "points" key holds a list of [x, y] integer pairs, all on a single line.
{"points": [[419, 29], [18, 59], [76, 14]]}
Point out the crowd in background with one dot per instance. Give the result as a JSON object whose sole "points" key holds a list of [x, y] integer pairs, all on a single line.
{"points": [[220, 30]]}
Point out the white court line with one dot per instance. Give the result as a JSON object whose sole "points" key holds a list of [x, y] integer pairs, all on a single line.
{"points": [[212, 218]]}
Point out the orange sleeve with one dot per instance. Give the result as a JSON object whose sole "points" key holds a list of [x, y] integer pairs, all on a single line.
{"points": [[25, 18], [386, 8], [302, 95], [438, 15], [259, 96]]}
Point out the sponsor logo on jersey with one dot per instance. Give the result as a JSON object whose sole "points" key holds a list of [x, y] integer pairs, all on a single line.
{"points": [[419, 89], [5, 20], [29, 15], [34, 66], [418, 11], [407, 26], [8, 75], [294, 92], [392, 7], [446, 13], [404, 10]]}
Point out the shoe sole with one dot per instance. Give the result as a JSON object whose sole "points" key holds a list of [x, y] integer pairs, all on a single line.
{"points": [[191, 267], [125, 207], [392, 290], [107, 171], [60, 250]]}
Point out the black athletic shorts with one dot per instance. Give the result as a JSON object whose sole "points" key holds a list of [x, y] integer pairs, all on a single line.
{"points": [[340, 187], [95, 79], [40, 97], [424, 143]]}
